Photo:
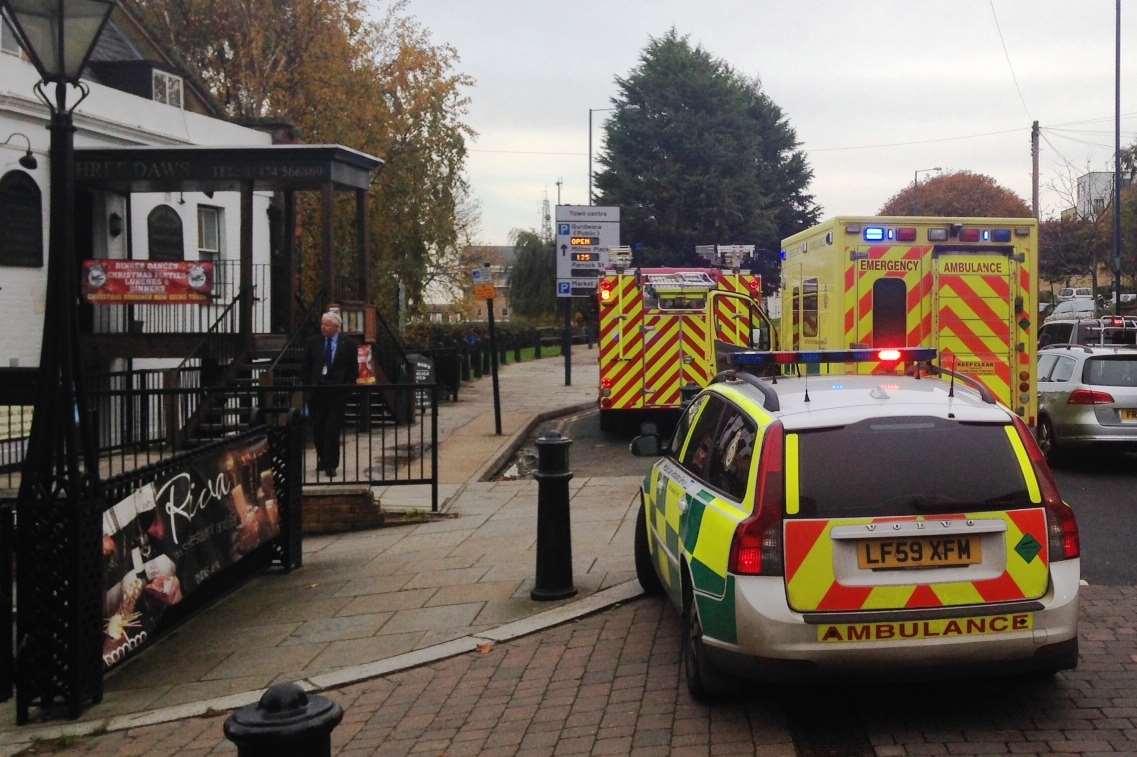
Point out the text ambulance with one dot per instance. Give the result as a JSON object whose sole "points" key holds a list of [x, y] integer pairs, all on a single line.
{"points": [[965, 286], [662, 329]]}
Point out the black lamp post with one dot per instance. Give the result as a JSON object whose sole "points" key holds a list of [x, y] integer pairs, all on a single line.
{"points": [[59, 623]]}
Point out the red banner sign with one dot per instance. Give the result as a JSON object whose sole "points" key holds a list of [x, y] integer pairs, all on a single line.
{"points": [[118, 281]]}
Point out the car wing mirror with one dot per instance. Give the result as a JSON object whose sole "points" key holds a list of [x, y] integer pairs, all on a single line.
{"points": [[645, 446]]}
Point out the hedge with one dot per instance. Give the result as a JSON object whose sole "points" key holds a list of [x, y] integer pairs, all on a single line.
{"points": [[510, 335]]}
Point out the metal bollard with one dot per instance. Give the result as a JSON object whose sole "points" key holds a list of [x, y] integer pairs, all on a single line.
{"points": [[285, 721], [554, 535]]}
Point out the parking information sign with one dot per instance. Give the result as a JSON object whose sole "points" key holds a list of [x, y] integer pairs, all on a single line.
{"points": [[584, 235]]}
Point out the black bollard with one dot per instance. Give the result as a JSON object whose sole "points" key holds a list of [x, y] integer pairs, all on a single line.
{"points": [[554, 535], [285, 721]]}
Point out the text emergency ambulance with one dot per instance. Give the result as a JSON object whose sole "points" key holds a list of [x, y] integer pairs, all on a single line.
{"points": [[662, 329], [964, 286]]}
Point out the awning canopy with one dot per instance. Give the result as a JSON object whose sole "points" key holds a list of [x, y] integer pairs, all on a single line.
{"points": [[221, 169]]}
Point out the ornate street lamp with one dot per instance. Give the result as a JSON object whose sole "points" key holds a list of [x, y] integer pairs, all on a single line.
{"points": [[59, 622]]}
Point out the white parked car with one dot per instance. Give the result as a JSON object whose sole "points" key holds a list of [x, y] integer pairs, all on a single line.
{"points": [[1072, 309], [1075, 293]]}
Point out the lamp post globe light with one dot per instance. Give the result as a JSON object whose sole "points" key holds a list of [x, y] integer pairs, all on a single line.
{"points": [[60, 630]]}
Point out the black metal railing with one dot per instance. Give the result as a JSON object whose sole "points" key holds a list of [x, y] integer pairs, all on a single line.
{"points": [[375, 449], [306, 325], [161, 318]]}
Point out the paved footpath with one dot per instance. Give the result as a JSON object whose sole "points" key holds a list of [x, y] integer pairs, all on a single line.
{"points": [[611, 684], [372, 595]]}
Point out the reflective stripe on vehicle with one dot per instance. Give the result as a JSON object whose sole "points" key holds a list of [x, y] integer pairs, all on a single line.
{"points": [[811, 581]]}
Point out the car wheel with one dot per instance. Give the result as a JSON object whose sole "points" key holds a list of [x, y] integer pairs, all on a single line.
{"points": [[703, 681], [645, 566], [1048, 442]]}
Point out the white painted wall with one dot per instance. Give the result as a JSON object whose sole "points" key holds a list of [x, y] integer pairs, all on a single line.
{"points": [[108, 117]]}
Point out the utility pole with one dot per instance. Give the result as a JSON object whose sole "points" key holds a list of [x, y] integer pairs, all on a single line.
{"points": [[1034, 169], [1117, 167], [560, 181]]}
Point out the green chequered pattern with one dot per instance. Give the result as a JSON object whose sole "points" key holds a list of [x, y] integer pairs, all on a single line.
{"points": [[717, 616]]}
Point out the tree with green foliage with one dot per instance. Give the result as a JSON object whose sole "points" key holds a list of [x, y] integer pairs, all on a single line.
{"points": [[533, 278], [1068, 247], [697, 153]]}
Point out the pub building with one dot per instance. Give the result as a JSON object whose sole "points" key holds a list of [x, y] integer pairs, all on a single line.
{"points": [[161, 175]]}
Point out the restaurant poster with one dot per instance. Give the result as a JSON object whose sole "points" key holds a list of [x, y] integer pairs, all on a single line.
{"points": [[109, 282], [167, 538]]}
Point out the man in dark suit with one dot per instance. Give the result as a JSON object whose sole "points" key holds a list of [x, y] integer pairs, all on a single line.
{"points": [[330, 360]]}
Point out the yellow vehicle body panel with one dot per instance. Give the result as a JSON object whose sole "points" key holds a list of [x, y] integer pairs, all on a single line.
{"points": [[974, 301]]}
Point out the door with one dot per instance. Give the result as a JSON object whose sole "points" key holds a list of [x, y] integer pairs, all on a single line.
{"points": [[621, 345], [888, 307], [737, 324], [957, 520], [676, 477], [975, 318], [661, 359]]}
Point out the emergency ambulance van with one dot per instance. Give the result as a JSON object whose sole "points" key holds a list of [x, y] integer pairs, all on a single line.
{"points": [[666, 329], [964, 286]]}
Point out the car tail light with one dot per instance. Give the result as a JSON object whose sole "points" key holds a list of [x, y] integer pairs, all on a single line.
{"points": [[906, 234], [1089, 397], [756, 549], [754, 284], [888, 356], [606, 403], [1061, 527]]}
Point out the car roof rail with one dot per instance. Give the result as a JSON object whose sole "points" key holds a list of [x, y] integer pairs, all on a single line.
{"points": [[984, 392], [770, 397], [1068, 345]]}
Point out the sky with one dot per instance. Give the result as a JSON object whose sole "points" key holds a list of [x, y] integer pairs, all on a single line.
{"points": [[875, 90]]}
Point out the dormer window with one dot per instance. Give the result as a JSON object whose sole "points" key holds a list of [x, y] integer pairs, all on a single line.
{"points": [[167, 88]]}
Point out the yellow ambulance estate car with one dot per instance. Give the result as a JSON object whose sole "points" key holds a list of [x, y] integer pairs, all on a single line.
{"points": [[841, 522]]}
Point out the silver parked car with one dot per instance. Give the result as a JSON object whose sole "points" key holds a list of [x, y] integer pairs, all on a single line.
{"points": [[1086, 396]]}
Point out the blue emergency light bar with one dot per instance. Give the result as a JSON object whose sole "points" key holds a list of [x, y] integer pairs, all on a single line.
{"points": [[750, 359]]}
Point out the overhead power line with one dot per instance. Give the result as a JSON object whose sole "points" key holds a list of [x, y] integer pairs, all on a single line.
{"points": [[918, 141], [527, 152], [1080, 141], [1007, 55]]}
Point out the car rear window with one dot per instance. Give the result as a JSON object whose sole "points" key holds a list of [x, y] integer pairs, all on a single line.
{"points": [[907, 466], [1111, 370]]}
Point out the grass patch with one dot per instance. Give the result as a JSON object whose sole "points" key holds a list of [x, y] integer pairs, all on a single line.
{"points": [[528, 353]]}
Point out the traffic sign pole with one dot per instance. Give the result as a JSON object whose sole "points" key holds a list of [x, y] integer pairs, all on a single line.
{"points": [[566, 346], [493, 368]]}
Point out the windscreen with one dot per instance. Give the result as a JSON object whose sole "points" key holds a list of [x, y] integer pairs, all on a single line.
{"points": [[907, 466], [1111, 370]]}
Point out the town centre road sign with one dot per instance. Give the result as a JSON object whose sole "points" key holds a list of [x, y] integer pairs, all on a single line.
{"points": [[584, 234]]}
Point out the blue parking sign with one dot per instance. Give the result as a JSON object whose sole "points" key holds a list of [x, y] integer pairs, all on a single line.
{"points": [[563, 229], [564, 288]]}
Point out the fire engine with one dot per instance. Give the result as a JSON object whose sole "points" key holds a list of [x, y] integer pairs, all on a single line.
{"points": [[965, 286], [666, 329]]}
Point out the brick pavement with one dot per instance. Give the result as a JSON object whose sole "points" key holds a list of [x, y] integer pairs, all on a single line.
{"points": [[611, 684]]}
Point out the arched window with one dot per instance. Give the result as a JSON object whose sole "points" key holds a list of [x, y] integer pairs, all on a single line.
{"points": [[164, 234], [21, 218]]}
